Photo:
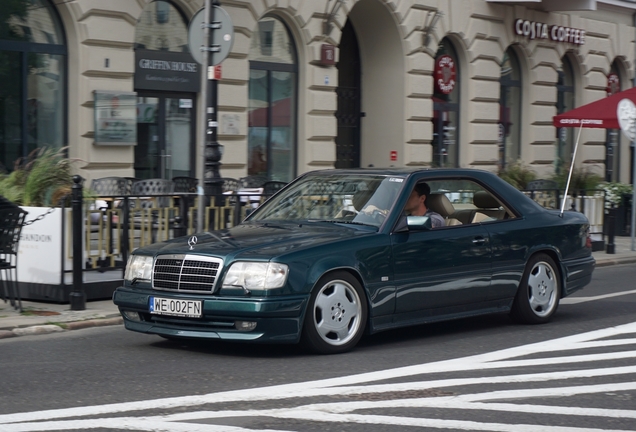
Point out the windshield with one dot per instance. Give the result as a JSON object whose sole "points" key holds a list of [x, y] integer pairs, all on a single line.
{"points": [[335, 198]]}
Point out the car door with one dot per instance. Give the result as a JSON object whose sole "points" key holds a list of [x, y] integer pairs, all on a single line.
{"points": [[441, 271]]}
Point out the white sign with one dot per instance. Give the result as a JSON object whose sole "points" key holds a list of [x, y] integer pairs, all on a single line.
{"points": [[185, 103], [222, 37], [626, 114], [40, 246]]}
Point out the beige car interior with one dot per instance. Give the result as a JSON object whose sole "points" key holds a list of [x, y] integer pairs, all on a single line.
{"points": [[484, 208]]}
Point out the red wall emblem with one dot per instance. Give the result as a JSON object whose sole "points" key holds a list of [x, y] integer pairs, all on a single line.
{"points": [[445, 74]]}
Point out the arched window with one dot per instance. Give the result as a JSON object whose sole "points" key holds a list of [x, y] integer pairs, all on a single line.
{"points": [[272, 102], [162, 27], [33, 79], [510, 109], [446, 107], [565, 102]]}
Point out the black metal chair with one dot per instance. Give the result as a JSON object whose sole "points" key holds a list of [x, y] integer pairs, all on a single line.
{"points": [[109, 186], [230, 184], [11, 222], [154, 187], [255, 181], [151, 204], [185, 184], [271, 187]]}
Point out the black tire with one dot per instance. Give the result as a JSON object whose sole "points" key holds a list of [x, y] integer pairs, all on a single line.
{"points": [[539, 292], [336, 314]]}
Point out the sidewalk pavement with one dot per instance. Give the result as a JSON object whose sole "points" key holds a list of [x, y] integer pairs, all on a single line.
{"points": [[42, 318]]}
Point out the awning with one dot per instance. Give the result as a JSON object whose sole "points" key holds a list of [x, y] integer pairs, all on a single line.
{"points": [[599, 114]]}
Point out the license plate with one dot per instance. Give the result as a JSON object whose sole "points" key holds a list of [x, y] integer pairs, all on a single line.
{"points": [[184, 308]]}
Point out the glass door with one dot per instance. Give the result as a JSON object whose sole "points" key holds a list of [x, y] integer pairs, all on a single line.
{"points": [[165, 136]]}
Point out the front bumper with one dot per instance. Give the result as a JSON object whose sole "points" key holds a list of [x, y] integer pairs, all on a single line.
{"points": [[278, 320]]}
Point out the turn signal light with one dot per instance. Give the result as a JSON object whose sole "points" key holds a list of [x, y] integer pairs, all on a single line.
{"points": [[133, 316]]}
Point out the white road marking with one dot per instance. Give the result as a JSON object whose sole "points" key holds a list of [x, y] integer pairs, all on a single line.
{"points": [[363, 383], [575, 300]]}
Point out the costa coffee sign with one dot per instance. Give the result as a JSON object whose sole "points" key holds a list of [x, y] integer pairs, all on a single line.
{"points": [[555, 33], [445, 74]]}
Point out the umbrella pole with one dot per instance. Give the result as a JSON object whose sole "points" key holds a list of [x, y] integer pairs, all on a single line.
{"points": [[633, 193], [567, 186]]}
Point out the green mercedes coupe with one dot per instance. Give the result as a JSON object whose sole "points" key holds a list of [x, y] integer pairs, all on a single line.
{"points": [[340, 253]]}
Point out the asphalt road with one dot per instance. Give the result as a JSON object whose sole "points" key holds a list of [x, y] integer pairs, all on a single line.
{"points": [[576, 373]]}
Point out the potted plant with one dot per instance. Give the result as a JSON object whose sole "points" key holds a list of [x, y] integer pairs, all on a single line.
{"points": [[518, 175], [618, 202], [42, 180]]}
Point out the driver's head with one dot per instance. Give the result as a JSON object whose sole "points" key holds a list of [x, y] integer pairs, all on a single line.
{"points": [[416, 203]]}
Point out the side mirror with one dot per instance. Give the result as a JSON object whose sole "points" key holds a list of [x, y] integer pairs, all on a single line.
{"points": [[419, 223], [414, 223]]}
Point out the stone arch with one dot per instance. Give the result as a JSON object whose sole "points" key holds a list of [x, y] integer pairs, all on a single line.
{"points": [[383, 83]]}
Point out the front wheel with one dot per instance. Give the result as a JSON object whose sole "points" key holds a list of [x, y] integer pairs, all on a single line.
{"points": [[336, 314], [538, 295]]}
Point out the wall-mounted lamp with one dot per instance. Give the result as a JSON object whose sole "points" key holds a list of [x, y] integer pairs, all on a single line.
{"points": [[327, 24], [429, 25]]}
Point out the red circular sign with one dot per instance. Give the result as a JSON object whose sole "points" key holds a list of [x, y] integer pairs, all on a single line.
{"points": [[445, 74], [613, 84]]}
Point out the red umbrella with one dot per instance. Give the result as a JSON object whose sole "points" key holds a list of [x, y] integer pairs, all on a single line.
{"points": [[599, 114]]}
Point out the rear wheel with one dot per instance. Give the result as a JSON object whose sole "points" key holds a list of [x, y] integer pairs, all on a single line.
{"points": [[538, 295], [336, 314]]}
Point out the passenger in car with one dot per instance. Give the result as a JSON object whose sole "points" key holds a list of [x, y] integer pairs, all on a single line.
{"points": [[416, 205]]}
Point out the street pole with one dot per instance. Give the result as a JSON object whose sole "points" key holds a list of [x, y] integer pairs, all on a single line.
{"points": [[77, 297], [212, 146], [203, 119], [211, 178]]}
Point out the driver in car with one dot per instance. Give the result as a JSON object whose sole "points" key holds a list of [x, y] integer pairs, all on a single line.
{"points": [[416, 205]]}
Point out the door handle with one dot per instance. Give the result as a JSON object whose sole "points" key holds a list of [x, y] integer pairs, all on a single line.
{"points": [[479, 240]]}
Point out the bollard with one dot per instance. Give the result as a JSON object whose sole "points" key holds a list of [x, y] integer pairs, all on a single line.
{"points": [[77, 297], [611, 226]]}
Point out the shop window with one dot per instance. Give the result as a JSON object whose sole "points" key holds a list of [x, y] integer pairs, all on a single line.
{"points": [[446, 107], [33, 57], [510, 110], [273, 93], [166, 100], [565, 102], [163, 12]]}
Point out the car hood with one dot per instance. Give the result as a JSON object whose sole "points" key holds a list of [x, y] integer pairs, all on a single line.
{"points": [[260, 241]]}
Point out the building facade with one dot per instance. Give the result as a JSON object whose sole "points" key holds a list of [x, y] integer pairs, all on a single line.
{"points": [[315, 84]]}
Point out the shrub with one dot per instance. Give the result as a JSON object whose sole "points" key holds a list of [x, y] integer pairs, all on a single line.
{"points": [[518, 175], [43, 180], [583, 179]]}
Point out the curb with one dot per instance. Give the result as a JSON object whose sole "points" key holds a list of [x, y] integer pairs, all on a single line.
{"points": [[56, 328], [606, 262]]}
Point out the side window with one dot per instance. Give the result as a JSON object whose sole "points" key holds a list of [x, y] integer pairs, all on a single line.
{"points": [[463, 202]]}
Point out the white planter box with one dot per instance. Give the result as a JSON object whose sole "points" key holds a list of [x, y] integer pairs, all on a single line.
{"points": [[40, 248]]}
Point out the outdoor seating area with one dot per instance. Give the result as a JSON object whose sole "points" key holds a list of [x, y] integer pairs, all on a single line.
{"points": [[139, 212]]}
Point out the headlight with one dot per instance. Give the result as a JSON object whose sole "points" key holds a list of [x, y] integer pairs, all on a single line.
{"points": [[139, 267], [256, 275]]}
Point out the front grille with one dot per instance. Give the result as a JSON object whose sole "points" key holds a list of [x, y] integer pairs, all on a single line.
{"points": [[182, 272]]}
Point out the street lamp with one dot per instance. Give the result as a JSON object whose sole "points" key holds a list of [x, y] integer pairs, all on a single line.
{"points": [[213, 150]]}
